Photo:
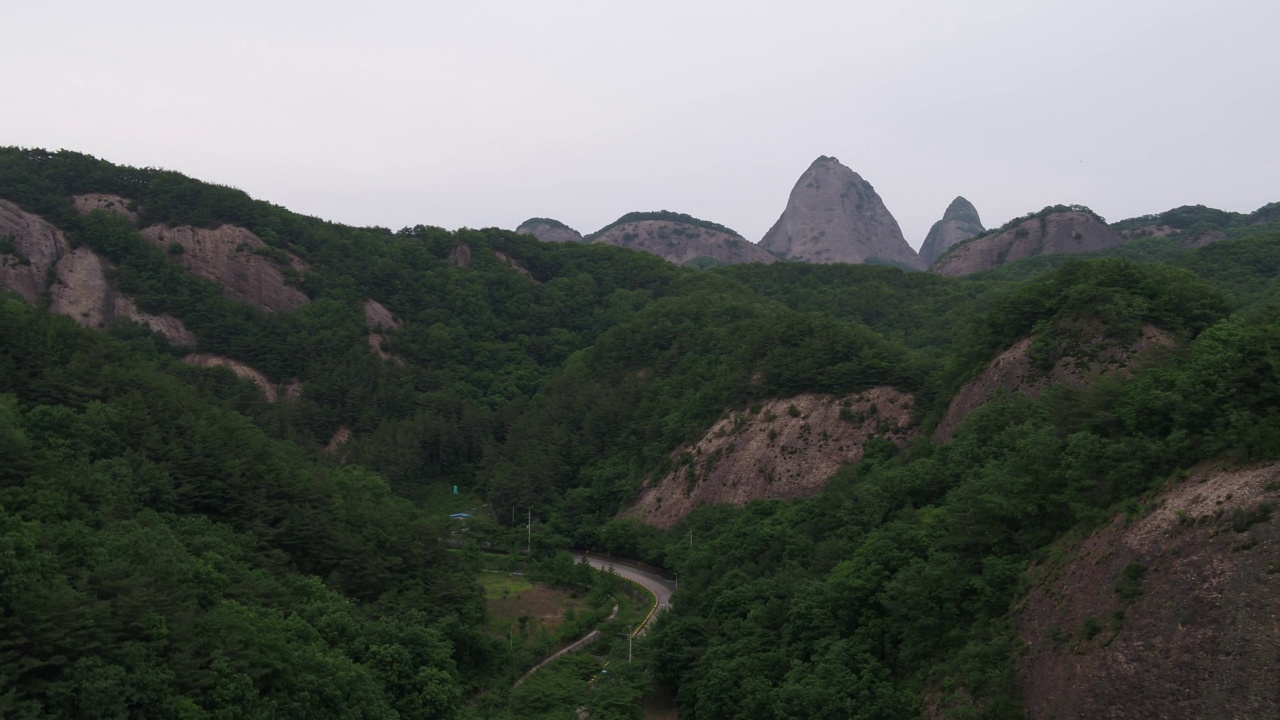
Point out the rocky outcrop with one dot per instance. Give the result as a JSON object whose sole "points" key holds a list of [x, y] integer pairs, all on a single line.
{"points": [[239, 261], [338, 443], [786, 448], [548, 230], [460, 255], [76, 281], [173, 329], [114, 204], [291, 390], [1175, 614], [685, 243], [1014, 370], [378, 319], [959, 223], [29, 248], [81, 290], [834, 216], [1058, 233], [1149, 231], [511, 263]]}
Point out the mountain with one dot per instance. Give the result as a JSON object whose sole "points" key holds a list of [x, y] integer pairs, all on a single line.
{"points": [[959, 223], [884, 494], [1056, 230], [681, 239], [834, 216], [548, 230]]}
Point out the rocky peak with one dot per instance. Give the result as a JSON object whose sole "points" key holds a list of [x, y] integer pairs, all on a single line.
{"points": [[1057, 230], [959, 223], [548, 230], [681, 239], [834, 216]]}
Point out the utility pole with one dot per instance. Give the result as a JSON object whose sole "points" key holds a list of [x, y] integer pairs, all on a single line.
{"points": [[528, 548]]}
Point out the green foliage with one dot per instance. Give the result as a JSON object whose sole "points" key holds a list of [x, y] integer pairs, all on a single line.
{"points": [[162, 556], [547, 221], [171, 544], [1129, 585]]}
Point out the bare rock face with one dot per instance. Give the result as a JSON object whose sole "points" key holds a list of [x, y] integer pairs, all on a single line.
{"points": [[460, 255], [82, 291], [1060, 233], [170, 327], [85, 204], [291, 390], [959, 223], [1014, 370], [683, 243], [341, 437], [80, 288], [29, 248], [378, 318], [235, 259], [1172, 615], [788, 449], [548, 230], [511, 263], [834, 216]]}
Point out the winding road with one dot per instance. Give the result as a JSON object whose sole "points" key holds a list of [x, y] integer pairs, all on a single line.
{"points": [[661, 587], [652, 581]]}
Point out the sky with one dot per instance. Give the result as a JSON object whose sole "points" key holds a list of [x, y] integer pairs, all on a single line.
{"points": [[481, 114]]}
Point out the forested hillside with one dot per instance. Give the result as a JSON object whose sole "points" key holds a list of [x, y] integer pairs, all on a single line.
{"points": [[175, 543]]}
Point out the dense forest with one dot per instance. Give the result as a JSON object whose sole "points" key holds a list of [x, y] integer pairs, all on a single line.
{"points": [[174, 545]]}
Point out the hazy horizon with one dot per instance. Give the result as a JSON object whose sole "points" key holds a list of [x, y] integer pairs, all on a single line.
{"points": [[487, 114]]}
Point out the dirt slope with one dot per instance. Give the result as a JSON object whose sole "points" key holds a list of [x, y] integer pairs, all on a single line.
{"points": [[788, 449], [1172, 615], [1014, 370]]}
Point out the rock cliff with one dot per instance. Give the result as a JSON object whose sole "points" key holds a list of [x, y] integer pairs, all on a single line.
{"points": [[85, 204], [959, 223], [785, 448], [36, 259], [1046, 233], [29, 248], [548, 230], [684, 242], [1173, 614], [378, 319], [237, 260], [834, 216]]}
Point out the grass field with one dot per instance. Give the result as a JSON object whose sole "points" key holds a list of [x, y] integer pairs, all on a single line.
{"points": [[528, 609]]}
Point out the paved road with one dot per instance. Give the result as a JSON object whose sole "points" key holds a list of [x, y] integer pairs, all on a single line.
{"points": [[658, 585]]}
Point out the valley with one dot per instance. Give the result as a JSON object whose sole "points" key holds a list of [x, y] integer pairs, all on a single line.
{"points": [[257, 464]]}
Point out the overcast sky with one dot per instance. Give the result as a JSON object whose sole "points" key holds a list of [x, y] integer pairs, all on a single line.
{"points": [[482, 114]]}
